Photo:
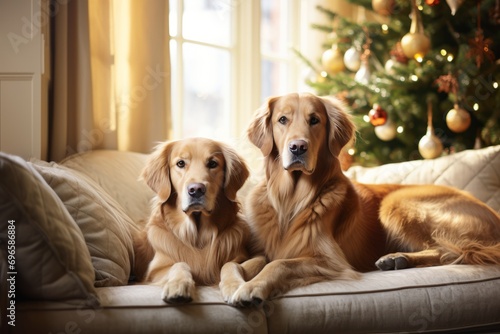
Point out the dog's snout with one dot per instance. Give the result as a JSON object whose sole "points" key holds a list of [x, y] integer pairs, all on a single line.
{"points": [[196, 190], [297, 147]]}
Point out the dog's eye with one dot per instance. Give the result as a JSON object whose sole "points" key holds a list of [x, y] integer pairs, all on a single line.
{"points": [[212, 164], [181, 164], [314, 120], [283, 120]]}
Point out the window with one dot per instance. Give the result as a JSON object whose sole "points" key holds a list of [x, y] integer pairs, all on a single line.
{"points": [[227, 57]]}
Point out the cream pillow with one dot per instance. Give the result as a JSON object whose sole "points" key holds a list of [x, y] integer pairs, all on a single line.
{"points": [[475, 171], [118, 173], [105, 227], [51, 259]]}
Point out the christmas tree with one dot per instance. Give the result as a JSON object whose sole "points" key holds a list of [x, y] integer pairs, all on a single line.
{"points": [[421, 80]]}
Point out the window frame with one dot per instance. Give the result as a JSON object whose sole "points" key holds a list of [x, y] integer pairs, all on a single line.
{"points": [[246, 58]]}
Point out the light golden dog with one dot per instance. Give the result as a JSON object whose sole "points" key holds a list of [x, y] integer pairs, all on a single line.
{"points": [[313, 224], [195, 226]]}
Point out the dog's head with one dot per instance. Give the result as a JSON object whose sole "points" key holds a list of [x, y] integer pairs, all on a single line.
{"points": [[300, 129], [197, 171]]}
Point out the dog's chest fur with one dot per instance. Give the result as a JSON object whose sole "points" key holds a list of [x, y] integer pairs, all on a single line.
{"points": [[287, 222]]}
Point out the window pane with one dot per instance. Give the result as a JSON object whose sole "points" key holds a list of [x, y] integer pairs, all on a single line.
{"points": [[206, 92], [274, 78], [208, 21], [274, 32], [172, 17]]}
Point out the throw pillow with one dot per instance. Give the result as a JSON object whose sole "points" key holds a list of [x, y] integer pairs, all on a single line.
{"points": [[50, 258], [105, 227]]}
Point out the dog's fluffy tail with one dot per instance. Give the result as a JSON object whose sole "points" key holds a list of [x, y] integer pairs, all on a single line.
{"points": [[469, 252]]}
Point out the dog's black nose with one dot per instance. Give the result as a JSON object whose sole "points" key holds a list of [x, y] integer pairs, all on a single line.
{"points": [[297, 147], [196, 190]]}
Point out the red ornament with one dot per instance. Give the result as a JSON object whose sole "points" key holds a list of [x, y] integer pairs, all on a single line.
{"points": [[432, 2], [377, 115]]}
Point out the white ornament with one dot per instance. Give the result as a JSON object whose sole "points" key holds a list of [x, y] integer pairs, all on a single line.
{"points": [[389, 66], [363, 74], [430, 146], [352, 59], [387, 131]]}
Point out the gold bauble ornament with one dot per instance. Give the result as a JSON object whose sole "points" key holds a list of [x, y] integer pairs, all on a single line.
{"points": [[458, 119], [430, 145], [387, 131], [383, 7], [415, 44], [332, 60]]}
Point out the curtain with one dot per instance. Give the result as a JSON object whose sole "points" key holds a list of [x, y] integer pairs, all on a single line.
{"points": [[111, 76]]}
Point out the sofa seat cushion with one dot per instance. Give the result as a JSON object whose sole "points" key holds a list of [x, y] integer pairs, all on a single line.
{"points": [[139, 309], [50, 260], [105, 226], [475, 171], [453, 298]]}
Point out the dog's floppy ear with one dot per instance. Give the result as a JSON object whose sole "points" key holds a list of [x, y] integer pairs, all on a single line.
{"points": [[260, 131], [236, 172], [342, 129], [156, 173]]}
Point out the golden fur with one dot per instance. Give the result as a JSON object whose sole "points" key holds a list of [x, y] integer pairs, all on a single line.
{"points": [[195, 225], [313, 224]]}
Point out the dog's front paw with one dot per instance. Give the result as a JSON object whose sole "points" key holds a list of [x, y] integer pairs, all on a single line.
{"points": [[228, 289], [247, 295], [392, 262], [178, 291]]}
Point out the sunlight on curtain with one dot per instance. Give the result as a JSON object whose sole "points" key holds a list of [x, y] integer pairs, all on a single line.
{"points": [[121, 68], [129, 54]]}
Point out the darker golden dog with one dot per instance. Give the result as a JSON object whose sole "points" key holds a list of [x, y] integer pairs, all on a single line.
{"points": [[195, 226], [313, 224]]}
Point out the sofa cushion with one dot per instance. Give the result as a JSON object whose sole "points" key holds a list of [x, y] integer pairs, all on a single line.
{"points": [[475, 171], [51, 259], [459, 298], [139, 309], [455, 298], [118, 173], [105, 227]]}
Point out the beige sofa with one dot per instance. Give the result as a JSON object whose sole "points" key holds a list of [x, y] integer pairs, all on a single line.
{"points": [[73, 257]]}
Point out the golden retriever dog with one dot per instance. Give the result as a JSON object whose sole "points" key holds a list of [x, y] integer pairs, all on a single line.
{"points": [[314, 224], [195, 226]]}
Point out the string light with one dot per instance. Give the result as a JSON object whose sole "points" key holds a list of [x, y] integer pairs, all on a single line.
{"points": [[400, 129]]}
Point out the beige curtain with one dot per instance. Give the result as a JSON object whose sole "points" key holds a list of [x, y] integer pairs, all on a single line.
{"points": [[111, 81]]}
